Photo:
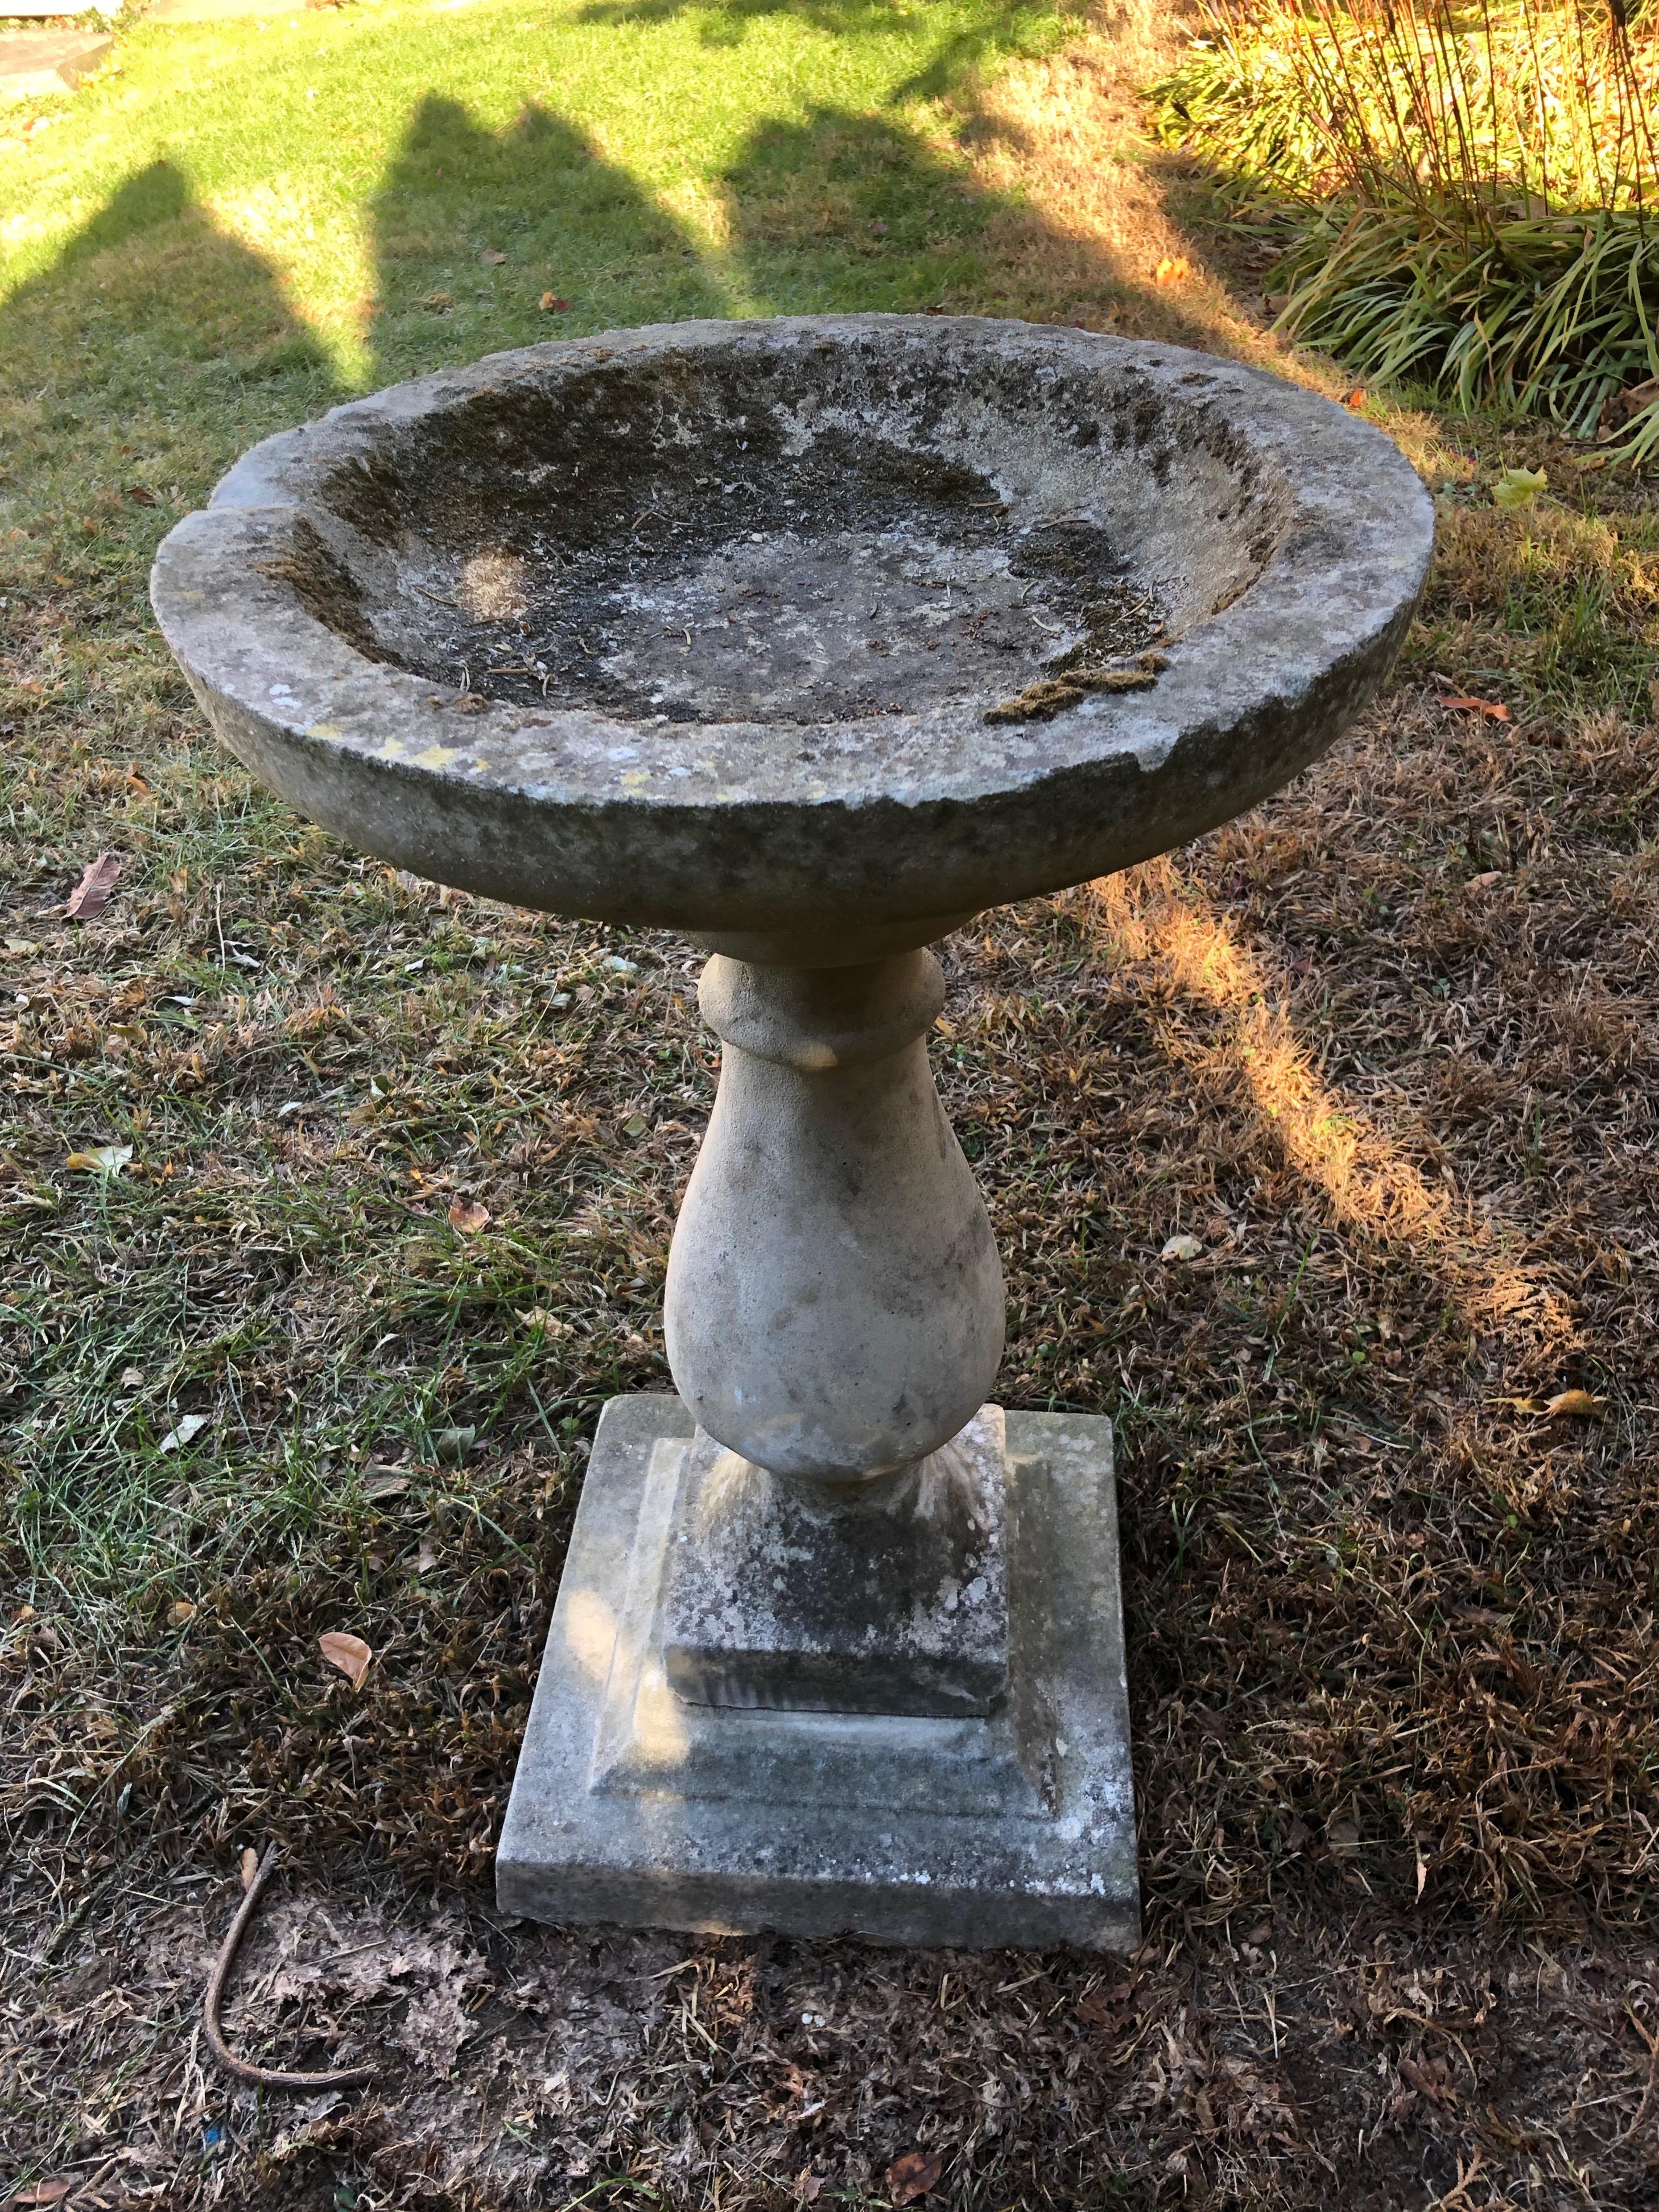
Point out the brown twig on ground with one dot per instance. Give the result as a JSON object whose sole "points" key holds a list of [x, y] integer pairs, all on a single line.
{"points": [[267, 2077]]}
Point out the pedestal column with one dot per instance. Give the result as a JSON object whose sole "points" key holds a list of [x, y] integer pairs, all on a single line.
{"points": [[837, 1647], [834, 1309]]}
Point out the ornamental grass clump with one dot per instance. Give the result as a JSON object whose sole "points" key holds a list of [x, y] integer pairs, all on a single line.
{"points": [[1466, 196]]}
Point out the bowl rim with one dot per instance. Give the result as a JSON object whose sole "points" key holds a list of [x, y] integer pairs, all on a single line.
{"points": [[322, 722]]}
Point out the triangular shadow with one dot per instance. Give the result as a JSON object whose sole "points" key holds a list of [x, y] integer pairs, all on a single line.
{"points": [[568, 222]]}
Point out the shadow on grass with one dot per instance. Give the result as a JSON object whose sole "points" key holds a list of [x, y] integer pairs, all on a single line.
{"points": [[149, 292], [569, 223], [179, 343], [1007, 28]]}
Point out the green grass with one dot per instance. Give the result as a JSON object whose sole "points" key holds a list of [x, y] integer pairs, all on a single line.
{"points": [[242, 225]]}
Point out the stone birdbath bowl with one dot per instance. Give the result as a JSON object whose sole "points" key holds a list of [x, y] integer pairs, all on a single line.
{"points": [[809, 640]]}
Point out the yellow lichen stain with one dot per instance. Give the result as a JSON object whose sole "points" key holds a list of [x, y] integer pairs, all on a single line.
{"points": [[325, 730], [634, 778], [392, 750], [437, 756]]}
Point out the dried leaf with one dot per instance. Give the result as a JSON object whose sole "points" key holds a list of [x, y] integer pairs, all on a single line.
{"points": [[385, 1485], [467, 1216], [181, 1612], [348, 1653], [1566, 1405], [1574, 1405], [1357, 398], [1518, 487], [636, 1126], [914, 2175], [1183, 1248], [1172, 269], [551, 304], [140, 495], [189, 1426], [250, 1867], [452, 1445], [491, 258], [91, 895], [1494, 709], [435, 2027], [106, 1159], [42, 2192]]}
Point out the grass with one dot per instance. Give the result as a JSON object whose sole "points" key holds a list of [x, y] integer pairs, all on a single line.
{"points": [[1387, 1047], [1459, 194]]}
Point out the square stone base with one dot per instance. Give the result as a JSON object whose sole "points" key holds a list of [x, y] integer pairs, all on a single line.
{"points": [[630, 1805]]}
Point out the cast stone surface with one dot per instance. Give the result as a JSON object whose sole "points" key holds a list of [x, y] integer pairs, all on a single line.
{"points": [[634, 1805], [810, 639]]}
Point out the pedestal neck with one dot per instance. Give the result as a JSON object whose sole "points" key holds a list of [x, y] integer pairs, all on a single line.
{"points": [[834, 1308]]}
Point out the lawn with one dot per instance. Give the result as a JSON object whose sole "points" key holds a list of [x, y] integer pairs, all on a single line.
{"points": [[1388, 1050]]}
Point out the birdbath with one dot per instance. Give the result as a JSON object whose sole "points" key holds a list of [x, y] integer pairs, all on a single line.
{"points": [[809, 640]]}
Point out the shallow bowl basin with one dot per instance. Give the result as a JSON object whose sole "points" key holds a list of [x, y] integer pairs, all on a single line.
{"points": [[805, 637]]}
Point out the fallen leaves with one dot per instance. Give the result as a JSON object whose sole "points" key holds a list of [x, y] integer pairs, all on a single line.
{"points": [[91, 895], [1357, 398], [467, 1217], [250, 1867], [348, 1653], [551, 304], [491, 258], [1493, 709], [1622, 407], [1564, 1406], [189, 1426], [102, 1159], [1174, 268], [1574, 1405], [914, 2175], [41, 2192], [1183, 1248], [1518, 487]]}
